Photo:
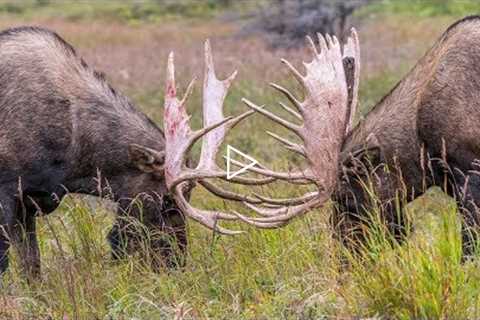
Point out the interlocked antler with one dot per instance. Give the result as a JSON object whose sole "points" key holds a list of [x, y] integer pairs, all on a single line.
{"points": [[327, 112]]}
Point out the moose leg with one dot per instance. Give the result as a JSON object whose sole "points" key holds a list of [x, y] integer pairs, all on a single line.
{"points": [[24, 229], [4, 246], [353, 229], [7, 211], [118, 241], [168, 240], [347, 230], [26, 244], [170, 245], [468, 198], [151, 226]]}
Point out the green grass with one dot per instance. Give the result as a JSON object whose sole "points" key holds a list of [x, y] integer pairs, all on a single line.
{"points": [[290, 273], [423, 8], [422, 279], [124, 11]]}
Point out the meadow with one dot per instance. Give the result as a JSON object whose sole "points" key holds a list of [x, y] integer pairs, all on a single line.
{"points": [[295, 272]]}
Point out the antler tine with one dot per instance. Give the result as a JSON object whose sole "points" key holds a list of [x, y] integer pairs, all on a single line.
{"points": [[273, 218], [267, 211], [312, 46], [295, 147], [171, 90], [207, 218], [287, 201], [322, 43], [293, 127], [203, 132], [229, 195], [289, 95], [351, 50], [189, 91], [288, 176], [294, 71], [290, 110], [250, 181], [261, 225]]}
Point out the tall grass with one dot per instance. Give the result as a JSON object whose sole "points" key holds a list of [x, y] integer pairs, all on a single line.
{"points": [[292, 273], [421, 279]]}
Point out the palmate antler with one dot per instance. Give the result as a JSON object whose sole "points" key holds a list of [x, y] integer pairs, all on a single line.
{"points": [[327, 112]]}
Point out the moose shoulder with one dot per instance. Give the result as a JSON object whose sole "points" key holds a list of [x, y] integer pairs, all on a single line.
{"points": [[64, 129]]}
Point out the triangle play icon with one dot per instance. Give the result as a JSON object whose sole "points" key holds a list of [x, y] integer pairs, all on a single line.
{"points": [[244, 167]]}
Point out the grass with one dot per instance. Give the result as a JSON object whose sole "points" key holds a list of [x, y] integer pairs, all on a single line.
{"points": [[422, 279], [292, 273], [125, 11], [425, 8]]}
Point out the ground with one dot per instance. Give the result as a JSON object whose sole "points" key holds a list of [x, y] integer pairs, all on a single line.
{"points": [[292, 273]]}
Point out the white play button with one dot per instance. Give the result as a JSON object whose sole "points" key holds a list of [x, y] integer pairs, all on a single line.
{"points": [[243, 167]]}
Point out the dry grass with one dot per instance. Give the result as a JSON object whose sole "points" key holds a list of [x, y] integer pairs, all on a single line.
{"points": [[10, 308]]}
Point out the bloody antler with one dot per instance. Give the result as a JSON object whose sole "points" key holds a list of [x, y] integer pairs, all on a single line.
{"points": [[179, 138]]}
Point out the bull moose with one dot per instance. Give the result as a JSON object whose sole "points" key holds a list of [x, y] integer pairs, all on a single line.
{"points": [[65, 129]]}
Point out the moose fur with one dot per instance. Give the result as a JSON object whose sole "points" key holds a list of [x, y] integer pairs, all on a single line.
{"points": [[425, 132], [65, 129]]}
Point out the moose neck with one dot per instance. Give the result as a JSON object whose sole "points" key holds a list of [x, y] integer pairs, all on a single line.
{"points": [[96, 122], [391, 125]]}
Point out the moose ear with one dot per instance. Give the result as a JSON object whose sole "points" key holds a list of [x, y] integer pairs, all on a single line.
{"points": [[146, 159]]}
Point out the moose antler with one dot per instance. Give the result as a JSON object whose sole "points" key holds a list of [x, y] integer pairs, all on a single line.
{"points": [[179, 138], [327, 112]]}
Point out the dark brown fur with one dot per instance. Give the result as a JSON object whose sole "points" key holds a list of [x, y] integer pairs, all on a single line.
{"points": [[426, 131], [64, 129]]}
